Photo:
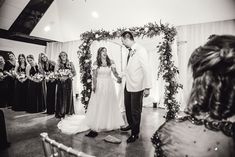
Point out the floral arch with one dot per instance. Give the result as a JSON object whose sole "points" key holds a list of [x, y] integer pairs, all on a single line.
{"points": [[167, 69]]}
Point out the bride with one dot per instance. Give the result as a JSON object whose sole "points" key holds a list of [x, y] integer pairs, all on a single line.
{"points": [[103, 113]]}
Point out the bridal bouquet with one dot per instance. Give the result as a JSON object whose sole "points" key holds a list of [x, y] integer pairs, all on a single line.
{"points": [[38, 77]]}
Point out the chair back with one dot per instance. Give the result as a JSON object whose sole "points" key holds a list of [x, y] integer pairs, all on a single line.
{"points": [[55, 149]]}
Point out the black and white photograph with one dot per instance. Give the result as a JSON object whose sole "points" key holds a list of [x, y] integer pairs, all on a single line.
{"points": [[117, 78]]}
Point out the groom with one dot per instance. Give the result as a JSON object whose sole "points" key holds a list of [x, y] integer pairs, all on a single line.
{"points": [[137, 85]]}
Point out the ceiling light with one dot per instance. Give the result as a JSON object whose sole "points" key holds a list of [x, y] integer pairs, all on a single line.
{"points": [[95, 14], [47, 28]]}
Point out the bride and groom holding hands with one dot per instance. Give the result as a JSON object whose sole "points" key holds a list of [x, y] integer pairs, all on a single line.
{"points": [[103, 113]]}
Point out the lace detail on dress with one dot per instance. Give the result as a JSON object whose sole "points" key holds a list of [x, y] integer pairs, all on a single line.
{"points": [[227, 127]]}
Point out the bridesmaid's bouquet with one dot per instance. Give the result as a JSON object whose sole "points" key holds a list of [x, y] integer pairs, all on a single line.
{"points": [[22, 77], [38, 77], [13, 73], [2, 76], [50, 76], [64, 74]]}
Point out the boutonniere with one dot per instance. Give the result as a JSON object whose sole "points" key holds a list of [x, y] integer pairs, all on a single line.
{"points": [[133, 52]]}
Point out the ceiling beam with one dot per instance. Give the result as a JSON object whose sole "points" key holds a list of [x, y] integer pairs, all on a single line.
{"points": [[23, 38], [1, 2]]}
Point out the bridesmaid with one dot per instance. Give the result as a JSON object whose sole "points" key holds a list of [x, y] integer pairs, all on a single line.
{"points": [[36, 87], [66, 71], [3, 86], [48, 67], [21, 84], [10, 79]]}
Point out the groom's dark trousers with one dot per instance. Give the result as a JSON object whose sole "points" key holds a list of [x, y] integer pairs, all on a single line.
{"points": [[133, 105]]}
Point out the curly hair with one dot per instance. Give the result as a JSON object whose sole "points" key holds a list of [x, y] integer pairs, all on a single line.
{"points": [[98, 58], [62, 65], [213, 67]]}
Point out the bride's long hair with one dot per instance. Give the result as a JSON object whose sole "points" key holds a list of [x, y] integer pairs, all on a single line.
{"points": [[213, 67], [98, 58]]}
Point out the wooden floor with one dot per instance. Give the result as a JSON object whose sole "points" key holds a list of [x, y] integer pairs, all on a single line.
{"points": [[24, 130]]}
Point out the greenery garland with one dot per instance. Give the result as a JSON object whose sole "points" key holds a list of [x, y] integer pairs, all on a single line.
{"points": [[169, 71], [166, 68]]}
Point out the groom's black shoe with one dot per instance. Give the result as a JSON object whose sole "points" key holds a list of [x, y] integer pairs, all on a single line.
{"points": [[92, 134], [126, 128], [132, 138]]}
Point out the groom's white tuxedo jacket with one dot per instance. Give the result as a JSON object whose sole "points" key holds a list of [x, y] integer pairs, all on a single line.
{"points": [[137, 71]]}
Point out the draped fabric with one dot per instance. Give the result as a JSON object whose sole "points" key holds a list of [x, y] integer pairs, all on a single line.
{"points": [[36, 101], [48, 68], [10, 81], [3, 88], [20, 95], [65, 103]]}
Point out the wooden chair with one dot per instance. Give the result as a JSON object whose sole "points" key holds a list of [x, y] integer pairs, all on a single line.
{"points": [[54, 149]]}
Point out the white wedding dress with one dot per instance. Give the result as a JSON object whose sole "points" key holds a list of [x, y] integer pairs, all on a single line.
{"points": [[103, 112]]}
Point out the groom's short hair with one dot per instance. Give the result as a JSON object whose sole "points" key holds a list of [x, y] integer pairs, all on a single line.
{"points": [[127, 34]]}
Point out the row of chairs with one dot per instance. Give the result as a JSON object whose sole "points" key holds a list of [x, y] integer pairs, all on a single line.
{"points": [[55, 149]]}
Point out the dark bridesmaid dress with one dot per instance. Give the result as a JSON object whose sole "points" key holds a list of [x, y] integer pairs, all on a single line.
{"points": [[10, 81], [3, 89], [51, 89], [36, 101], [20, 91], [3, 132], [64, 101]]}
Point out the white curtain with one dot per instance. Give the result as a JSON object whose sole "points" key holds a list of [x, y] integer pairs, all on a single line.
{"points": [[189, 38]]}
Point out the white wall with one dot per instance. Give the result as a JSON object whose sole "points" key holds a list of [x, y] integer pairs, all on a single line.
{"points": [[21, 47]]}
